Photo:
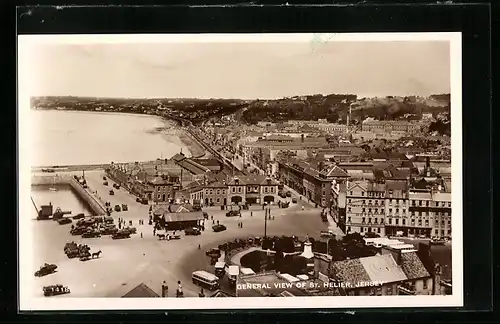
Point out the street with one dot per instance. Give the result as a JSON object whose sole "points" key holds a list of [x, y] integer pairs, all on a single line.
{"points": [[126, 263]]}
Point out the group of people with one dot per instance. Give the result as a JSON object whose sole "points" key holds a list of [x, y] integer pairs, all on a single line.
{"points": [[179, 293]]}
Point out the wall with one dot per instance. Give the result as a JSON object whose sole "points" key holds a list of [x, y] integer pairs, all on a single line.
{"points": [[94, 205]]}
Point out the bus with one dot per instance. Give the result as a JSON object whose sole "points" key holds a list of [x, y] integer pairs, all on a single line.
{"points": [[205, 279]]}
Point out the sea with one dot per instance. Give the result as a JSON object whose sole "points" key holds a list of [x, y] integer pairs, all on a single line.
{"points": [[75, 137]]}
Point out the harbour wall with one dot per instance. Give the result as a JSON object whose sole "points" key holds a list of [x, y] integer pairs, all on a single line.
{"points": [[94, 204]]}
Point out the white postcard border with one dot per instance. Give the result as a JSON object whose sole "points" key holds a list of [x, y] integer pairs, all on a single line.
{"points": [[25, 129]]}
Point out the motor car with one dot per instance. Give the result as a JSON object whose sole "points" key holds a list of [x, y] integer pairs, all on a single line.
{"points": [[79, 216], [104, 178], [64, 221], [118, 208], [219, 228], [288, 194], [124, 207], [105, 183], [192, 231], [233, 213], [46, 269], [111, 192], [120, 235], [294, 200], [91, 234], [213, 251]]}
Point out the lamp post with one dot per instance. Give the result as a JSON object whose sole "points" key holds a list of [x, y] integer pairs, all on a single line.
{"points": [[265, 222]]}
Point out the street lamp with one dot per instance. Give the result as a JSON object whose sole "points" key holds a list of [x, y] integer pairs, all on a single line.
{"points": [[265, 221]]}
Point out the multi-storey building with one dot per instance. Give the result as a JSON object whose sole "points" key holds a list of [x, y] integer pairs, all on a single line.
{"points": [[256, 189], [365, 207], [397, 203], [313, 184], [441, 208], [421, 212], [389, 126], [215, 194]]}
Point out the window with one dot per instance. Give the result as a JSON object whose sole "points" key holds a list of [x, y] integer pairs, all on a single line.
{"points": [[218, 191], [211, 192], [369, 219], [159, 196], [234, 189], [390, 221], [404, 211], [419, 222], [413, 213], [404, 221], [206, 192], [239, 189], [442, 223], [272, 189], [223, 192], [218, 200], [364, 209], [390, 210], [449, 204], [361, 230], [324, 193], [364, 201], [349, 218], [378, 229], [350, 193], [427, 203], [363, 220], [349, 201], [397, 221], [349, 209], [420, 202], [349, 228], [265, 189], [426, 222], [362, 193]]}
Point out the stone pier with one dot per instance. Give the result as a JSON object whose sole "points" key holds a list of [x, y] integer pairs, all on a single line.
{"points": [[94, 203]]}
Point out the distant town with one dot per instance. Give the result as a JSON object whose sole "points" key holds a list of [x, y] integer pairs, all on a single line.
{"points": [[376, 172]]}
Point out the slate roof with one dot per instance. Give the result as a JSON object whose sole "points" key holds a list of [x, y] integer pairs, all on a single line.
{"points": [[349, 271], [336, 172], [380, 268], [252, 180], [221, 293], [383, 268], [412, 266], [141, 291]]}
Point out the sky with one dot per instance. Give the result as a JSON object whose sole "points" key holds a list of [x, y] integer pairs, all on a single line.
{"points": [[263, 70]]}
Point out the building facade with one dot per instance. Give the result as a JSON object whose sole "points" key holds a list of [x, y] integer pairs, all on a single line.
{"points": [[256, 189], [365, 207]]}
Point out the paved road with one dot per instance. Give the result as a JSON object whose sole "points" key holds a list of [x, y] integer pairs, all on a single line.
{"points": [[126, 263]]}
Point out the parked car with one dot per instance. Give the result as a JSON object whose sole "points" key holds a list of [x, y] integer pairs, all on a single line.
{"points": [[213, 251], [371, 235], [124, 207], [91, 234], [233, 213], [111, 192], [294, 200], [192, 231], [288, 194], [46, 269], [79, 216], [219, 228], [118, 208], [105, 183], [121, 235], [64, 221], [104, 178]]}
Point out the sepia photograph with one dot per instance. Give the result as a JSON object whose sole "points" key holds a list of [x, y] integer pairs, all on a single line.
{"points": [[212, 169]]}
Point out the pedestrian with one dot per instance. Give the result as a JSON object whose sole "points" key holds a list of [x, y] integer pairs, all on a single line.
{"points": [[180, 293], [141, 234], [199, 246], [251, 214], [241, 225], [213, 222], [163, 290], [201, 294], [154, 231]]}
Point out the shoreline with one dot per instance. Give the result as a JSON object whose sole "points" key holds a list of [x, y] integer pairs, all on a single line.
{"points": [[171, 132]]}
